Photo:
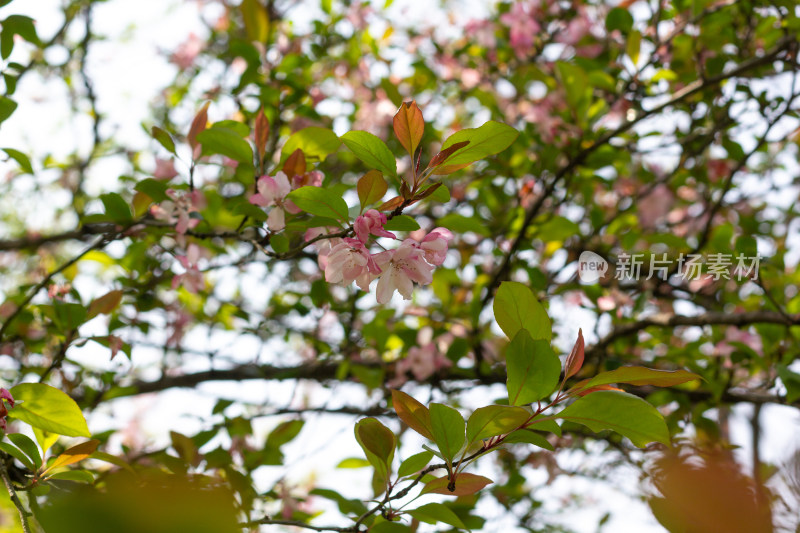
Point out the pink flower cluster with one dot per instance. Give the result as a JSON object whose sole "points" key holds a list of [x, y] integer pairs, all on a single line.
{"points": [[5, 396], [413, 261], [178, 210], [272, 191]]}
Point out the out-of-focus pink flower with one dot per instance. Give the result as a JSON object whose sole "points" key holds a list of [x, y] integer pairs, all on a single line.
{"points": [[522, 24], [653, 208], [434, 245], [309, 179], [400, 268], [273, 191], [179, 326], [183, 57], [57, 292], [5, 396], [165, 169], [350, 261], [736, 335], [371, 223], [192, 279], [323, 246], [425, 359], [178, 210]]}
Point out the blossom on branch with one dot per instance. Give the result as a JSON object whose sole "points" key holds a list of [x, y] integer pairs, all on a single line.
{"points": [[350, 261], [273, 192], [400, 268], [371, 223]]}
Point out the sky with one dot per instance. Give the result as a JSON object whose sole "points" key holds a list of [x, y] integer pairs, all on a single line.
{"points": [[128, 68]]}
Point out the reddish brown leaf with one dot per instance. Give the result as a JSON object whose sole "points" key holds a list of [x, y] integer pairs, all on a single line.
{"points": [[405, 192], [598, 388], [104, 304], [198, 125], [409, 126], [465, 484], [392, 204], [261, 133], [427, 192], [575, 360], [371, 188], [442, 156], [72, 455], [295, 164], [413, 413]]}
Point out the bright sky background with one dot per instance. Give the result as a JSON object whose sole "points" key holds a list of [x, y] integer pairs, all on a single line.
{"points": [[128, 69]]}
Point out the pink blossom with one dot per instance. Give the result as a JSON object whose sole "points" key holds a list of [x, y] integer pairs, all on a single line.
{"points": [[323, 246], [192, 279], [4, 395], [434, 245], [183, 57], [350, 261], [273, 191], [371, 223], [165, 169], [309, 179], [178, 210], [57, 292], [522, 24], [400, 268]]}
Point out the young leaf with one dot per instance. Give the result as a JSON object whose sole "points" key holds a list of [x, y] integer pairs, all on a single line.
{"points": [[530, 437], [371, 188], [392, 204], [24, 443], [532, 367], [414, 464], [489, 139], [414, 414], [320, 202], [46, 407], [164, 139], [624, 413], [371, 150], [433, 513], [378, 443], [198, 124], [494, 420], [79, 476], [295, 164], [225, 141], [639, 375], [22, 160], [465, 485], [575, 359], [261, 134], [442, 156], [515, 307], [72, 455], [316, 143], [409, 126], [104, 304], [448, 429]]}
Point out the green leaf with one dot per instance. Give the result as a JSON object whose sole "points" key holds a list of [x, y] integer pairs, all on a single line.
{"points": [[401, 223], [621, 412], [371, 150], [7, 106], [47, 408], [279, 243], [633, 46], [619, 19], [465, 485], [21, 159], [530, 437], [79, 476], [155, 189], [575, 83], [389, 527], [17, 454], [489, 139], [494, 420], [515, 308], [414, 414], [533, 369], [225, 141], [46, 439], [542, 423], [461, 224], [164, 139], [320, 202], [24, 443], [16, 25], [116, 208], [72, 455], [378, 443], [448, 429], [371, 188], [316, 143], [433, 513], [639, 375], [791, 380], [353, 462], [414, 464]]}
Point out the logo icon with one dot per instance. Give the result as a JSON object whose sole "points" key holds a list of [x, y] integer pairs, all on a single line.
{"points": [[591, 267]]}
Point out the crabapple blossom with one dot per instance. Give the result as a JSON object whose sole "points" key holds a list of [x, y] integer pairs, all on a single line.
{"points": [[400, 268], [273, 191], [5, 396], [178, 210], [371, 222], [350, 261], [192, 279], [323, 246], [434, 245]]}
